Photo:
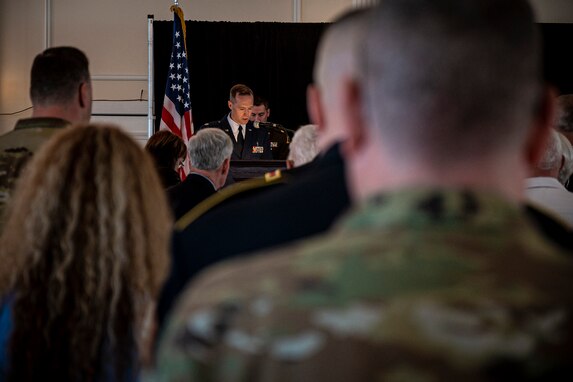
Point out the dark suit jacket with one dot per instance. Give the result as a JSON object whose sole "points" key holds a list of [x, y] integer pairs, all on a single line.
{"points": [[186, 195], [256, 139], [306, 206]]}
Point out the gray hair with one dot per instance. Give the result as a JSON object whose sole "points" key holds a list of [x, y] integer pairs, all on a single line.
{"points": [[450, 79], [553, 153], [564, 120], [302, 148], [209, 148], [567, 152]]}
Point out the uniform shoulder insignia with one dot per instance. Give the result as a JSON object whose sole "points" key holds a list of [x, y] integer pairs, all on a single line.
{"points": [[221, 196], [210, 124], [273, 176]]}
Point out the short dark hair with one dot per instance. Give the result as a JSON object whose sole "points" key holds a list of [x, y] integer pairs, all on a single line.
{"points": [[240, 89], [452, 79], [261, 101], [56, 75], [166, 148]]}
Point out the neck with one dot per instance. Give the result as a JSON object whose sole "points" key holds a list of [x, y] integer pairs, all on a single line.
{"points": [[553, 173], [66, 112], [370, 172], [211, 175]]}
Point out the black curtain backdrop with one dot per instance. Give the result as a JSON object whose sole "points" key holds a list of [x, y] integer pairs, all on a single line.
{"points": [[276, 61], [273, 59], [558, 55]]}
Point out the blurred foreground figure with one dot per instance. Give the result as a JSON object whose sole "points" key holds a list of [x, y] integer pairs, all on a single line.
{"points": [[437, 275], [83, 254]]}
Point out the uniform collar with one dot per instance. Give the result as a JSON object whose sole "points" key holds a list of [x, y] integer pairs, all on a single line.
{"points": [[41, 122]]}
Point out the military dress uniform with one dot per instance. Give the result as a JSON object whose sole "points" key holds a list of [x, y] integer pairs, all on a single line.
{"points": [[414, 285], [279, 140], [276, 209], [256, 143]]}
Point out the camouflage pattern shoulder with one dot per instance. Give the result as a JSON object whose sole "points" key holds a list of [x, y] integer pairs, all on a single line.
{"points": [[228, 194], [416, 286], [12, 161]]}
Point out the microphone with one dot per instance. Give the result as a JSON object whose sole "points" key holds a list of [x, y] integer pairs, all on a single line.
{"points": [[271, 125]]}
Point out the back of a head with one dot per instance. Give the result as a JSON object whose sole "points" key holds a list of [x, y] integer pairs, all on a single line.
{"points": [[450, 79], [166, 149], [85, 250], [564, 120], [567, 152], [303, 148], [56, 75], [553, 153], [209, 148]]}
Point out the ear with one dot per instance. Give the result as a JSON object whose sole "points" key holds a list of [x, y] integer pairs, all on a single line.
{"points": [[84, 95], [226, 166], [314, 106], [354, 121], [268, 112], [224, 171], [541, 127], [230, 104]]}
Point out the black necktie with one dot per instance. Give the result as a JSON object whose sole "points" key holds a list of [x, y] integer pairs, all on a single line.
{"points": [[240, 138]]}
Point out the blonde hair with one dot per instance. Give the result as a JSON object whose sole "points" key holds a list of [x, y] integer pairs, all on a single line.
{"points": [[83, 253]]}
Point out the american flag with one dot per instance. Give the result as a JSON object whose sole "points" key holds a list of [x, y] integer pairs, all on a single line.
{"points": [[176, 113]]}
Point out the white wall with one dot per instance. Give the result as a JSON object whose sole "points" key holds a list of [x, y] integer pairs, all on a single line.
{"points": [[113, 33]]}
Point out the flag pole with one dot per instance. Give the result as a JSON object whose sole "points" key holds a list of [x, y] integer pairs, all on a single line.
{"points": [[150, 80]]}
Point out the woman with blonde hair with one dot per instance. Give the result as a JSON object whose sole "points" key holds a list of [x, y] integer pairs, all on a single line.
{"points": [[83, 254]]}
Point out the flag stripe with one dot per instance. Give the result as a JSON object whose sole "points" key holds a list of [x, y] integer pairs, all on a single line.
{"points": [[176, 113]]}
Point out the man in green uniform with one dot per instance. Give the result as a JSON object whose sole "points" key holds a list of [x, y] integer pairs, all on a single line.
{"points": [[61, 94], [437, 275]]}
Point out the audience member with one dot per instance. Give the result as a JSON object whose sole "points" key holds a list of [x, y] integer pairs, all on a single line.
{"points": [[61, 94], [278, 136], [565, 121], [567, 168], [565, 116], [543, 187], [249, 142], [278, 214], [210, 157], [437, 274], [84, 253], [303, 149], [168, 152]]}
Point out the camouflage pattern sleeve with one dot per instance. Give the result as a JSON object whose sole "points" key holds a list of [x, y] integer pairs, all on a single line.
{"points": [[468, 292]]}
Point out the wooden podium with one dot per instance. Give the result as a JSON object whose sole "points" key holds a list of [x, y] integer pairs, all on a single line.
{"points": [[247, 169]]}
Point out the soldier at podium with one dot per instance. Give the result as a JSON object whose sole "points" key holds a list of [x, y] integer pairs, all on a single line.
{"points": [[249, 142]]}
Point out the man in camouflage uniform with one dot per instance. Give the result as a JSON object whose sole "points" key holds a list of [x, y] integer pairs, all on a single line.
{"points": [[60, 90], [437, 275]]}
